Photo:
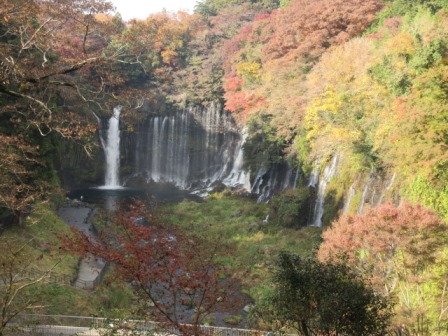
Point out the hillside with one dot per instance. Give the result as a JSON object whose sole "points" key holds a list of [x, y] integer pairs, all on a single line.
{"points": [[350, 95]]}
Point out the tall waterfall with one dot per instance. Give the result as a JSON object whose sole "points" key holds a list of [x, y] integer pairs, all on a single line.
{"points": [[191, 148], [329, 172], [237, 175], [349, 198], [111, 146]]}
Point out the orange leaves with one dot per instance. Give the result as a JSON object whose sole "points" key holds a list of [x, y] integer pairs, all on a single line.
{"points": [[232, 83], [242, 103], [159, 39], [169, 56], [309, 27], [239, 99], [401, 44]]}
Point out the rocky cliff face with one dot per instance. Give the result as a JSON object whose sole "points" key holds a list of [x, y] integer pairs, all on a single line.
{"points": [[195, 148]]}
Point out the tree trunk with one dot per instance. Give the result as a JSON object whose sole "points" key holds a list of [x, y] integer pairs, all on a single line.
{"points": [[304, 328]]}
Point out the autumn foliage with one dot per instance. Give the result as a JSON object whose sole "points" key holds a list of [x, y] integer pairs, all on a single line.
{"points": [[299, 33], [382, 232], [166, 268], [401, 251], [307, 28]]}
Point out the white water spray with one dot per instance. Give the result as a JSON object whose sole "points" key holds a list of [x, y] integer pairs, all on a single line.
{"points": [[112, 151], [329, 172]]}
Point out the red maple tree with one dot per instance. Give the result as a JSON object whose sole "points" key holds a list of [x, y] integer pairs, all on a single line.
{"points": [[178, 281]]}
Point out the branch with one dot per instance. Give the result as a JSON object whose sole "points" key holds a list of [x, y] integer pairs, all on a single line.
{"points": [[21, 95], [85, 39], [25, 45], [26, 285]]}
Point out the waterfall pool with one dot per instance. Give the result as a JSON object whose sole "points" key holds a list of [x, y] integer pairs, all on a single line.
{"points": [[107, 198]]}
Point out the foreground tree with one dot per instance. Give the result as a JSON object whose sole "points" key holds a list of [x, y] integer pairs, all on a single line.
{"points": [[17, 179], [324, 299], [177, 280], [17, 276]]}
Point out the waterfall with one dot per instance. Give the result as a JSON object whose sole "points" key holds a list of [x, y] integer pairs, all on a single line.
{"points": [[196, 147], [237, 175], [389, 185], [314, 176], [191, 148], [329, 172], [111, 147], [365, 192], [348, 200], [258, 181]]}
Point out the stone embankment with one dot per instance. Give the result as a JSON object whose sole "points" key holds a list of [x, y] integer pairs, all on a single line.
{"points": [[91, 269]]}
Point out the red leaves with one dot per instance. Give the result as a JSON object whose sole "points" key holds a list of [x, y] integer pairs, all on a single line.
{"points": [[380, 230], [165, 267], [297, 34], [385, 239], [309, 27]]}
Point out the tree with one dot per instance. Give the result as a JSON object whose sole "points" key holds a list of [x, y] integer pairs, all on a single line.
{"points": [[42, 45], [17, 178], [419, 128], [58, 63], [16, 277], [176, 280], [401, 250], [213, 7], [325, 299]]}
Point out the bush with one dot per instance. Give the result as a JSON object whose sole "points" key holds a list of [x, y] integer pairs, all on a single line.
{"points": [[291, 208]]}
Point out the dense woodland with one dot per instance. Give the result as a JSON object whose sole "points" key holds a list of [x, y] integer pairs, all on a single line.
{"points": [[362, 80]]}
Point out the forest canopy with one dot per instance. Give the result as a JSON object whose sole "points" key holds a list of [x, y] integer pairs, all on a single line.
{"points": [[361, 81]]}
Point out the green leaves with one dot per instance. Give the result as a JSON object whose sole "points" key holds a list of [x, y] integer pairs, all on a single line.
{"points": [[291, 208], [316, 298]]}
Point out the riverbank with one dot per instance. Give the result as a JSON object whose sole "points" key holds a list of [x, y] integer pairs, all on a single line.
{"points": [[240, 225], [91, 270]]}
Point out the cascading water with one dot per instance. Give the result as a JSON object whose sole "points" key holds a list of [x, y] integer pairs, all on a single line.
{"points": [[237, 176], [111, 147], [329, 172], [388, 187], [348, 200], [365, 192], [197, 147], [191, 148]]}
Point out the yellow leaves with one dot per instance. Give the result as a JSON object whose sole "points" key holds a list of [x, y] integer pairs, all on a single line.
{"points": [[401, 44], [343, 99], [250, 71], [342, 65], [332, 119], [168, 56], [321, 113]]}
